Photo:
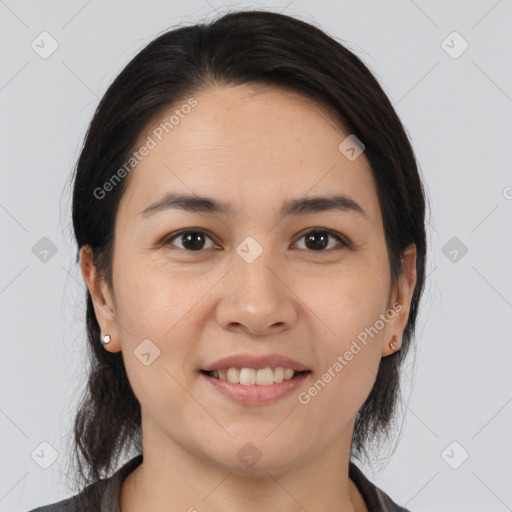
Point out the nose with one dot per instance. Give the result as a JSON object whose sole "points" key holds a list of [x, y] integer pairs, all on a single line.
{"points": [[256, 299]]}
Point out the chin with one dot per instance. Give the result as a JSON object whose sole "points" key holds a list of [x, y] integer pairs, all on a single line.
{"points": [[253, 455]]}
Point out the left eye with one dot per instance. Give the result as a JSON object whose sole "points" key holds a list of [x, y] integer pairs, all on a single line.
{"points": [[193, 240], [318, 239]]}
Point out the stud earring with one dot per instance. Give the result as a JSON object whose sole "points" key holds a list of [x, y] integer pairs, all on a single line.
{"points": [[392, 345], [105, 339]]}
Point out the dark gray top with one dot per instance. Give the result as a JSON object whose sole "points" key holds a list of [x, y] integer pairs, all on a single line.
{"points": [[105, 495]]}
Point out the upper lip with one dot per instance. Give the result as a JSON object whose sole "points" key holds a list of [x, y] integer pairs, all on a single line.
{"points": [[256, 362]]}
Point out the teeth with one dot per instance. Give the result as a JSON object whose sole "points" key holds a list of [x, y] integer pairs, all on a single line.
{"points": [[247, 376], [265, 377], [288, 374], [233, 375], [250, 376]]}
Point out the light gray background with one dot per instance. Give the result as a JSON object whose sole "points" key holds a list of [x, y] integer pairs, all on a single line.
{"points": [[458, 112]]}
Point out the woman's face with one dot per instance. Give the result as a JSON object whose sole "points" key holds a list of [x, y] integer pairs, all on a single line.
{"points": [[251, 281]]}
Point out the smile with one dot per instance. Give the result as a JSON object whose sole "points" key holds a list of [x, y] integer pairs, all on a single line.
{"points": [[249, 392], [250, 376]]}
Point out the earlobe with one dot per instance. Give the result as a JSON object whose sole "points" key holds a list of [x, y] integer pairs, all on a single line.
{"points": [[102, 300]]}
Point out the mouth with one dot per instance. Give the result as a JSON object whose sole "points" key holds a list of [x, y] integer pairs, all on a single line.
{"points": [[253, 387], [255, 379], [252, 376]]}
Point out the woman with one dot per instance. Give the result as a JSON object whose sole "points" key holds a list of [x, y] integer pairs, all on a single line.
{"points": [[250, 222]]}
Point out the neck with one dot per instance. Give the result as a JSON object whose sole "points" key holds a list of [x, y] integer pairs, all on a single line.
{"points": [[176, 480]]}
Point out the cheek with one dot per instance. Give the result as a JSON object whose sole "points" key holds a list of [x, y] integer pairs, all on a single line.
{"points": [[154, 326], [339, 389], [349, 303], [350, 309], [151, 303]]}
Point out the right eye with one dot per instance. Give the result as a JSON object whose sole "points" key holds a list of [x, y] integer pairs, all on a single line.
{"points": [[192, 240]]}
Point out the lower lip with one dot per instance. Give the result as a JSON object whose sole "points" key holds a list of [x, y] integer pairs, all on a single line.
{"points": [[254, 394]]}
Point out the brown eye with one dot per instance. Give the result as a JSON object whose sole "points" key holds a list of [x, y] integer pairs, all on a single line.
{"points": [[194, 240], [318, 239], [191, 240]]}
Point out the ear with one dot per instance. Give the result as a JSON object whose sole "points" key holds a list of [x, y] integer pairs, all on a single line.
{"points": [[401, 294], [102, 299]]}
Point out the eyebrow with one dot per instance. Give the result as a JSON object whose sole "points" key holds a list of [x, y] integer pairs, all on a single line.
{"points": [[299, 206]]}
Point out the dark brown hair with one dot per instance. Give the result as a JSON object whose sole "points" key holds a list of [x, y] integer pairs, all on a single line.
{"points": [[246, 47]]}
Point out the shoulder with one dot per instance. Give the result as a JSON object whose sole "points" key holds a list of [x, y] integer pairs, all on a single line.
{"points": [[101, 495], [88, 499], [376, 499]]}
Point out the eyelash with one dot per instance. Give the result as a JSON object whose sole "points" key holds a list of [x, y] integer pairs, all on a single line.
{"points": [[333, 234]]}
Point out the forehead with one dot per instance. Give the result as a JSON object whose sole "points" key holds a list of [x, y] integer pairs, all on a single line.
{"points": [[249, 146]]}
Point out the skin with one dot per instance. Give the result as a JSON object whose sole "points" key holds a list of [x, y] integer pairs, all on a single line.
{"points": [[253, 147]]}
